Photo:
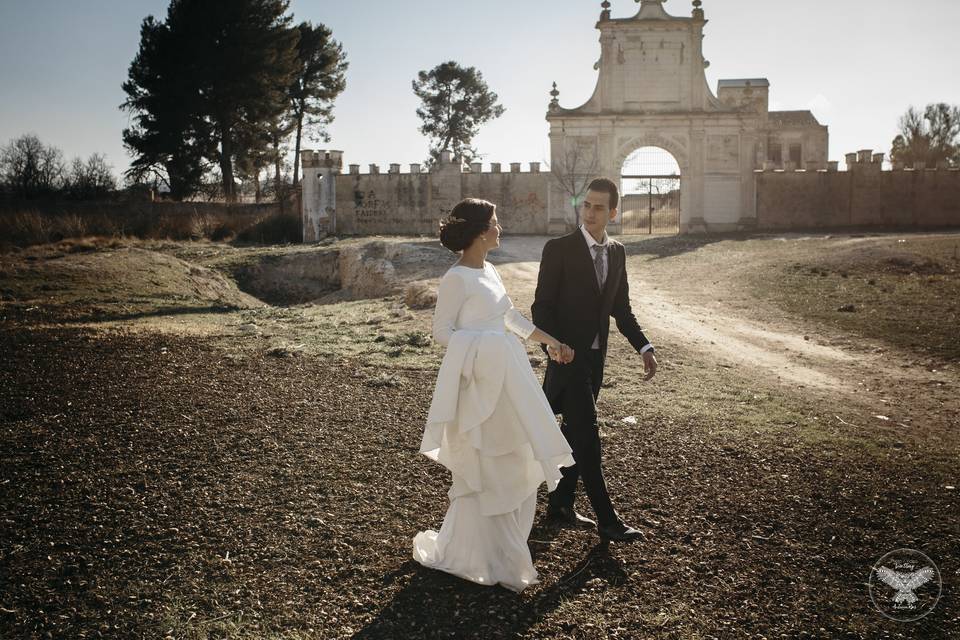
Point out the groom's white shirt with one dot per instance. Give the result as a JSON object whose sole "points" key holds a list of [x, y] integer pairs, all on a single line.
{"points": [[591, 241]]}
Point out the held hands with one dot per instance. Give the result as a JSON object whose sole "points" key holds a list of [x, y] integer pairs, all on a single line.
{"points": [[560, 353]]}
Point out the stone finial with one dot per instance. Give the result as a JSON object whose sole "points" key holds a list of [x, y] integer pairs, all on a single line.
{"points": [[514, 167], [833, 166], [354, 169], [605, 14], [851, 159], [394, 168], [554, 95], [414, 167], [878, 158], [697, 10], [374, 169], [494, 167], [534, 167], [476, 167], [864, 155]]}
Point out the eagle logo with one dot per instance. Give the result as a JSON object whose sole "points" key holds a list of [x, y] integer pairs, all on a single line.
{"points": [[905, 583], [905, 571]]}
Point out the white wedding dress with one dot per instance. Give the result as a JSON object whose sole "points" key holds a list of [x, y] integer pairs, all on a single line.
{"points": [[491, 426]]}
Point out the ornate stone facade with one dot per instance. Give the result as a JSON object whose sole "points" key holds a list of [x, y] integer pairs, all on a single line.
{"points": [[652, 91]]}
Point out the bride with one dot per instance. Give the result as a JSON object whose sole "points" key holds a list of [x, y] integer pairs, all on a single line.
{"points": [[489, 423]]}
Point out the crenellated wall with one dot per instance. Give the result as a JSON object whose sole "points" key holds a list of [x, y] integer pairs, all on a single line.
{"points": [[392, 202], [819, 197], [863, 196]]}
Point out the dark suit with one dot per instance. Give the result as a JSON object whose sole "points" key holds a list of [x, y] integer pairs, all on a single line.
{"points": [[570, 306]]}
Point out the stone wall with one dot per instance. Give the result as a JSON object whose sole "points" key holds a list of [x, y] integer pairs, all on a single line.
{"points": [[378, 203], [395, 203], [863, 196]]}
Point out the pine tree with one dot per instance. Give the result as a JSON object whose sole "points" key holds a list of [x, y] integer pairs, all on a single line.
{"points": [[455, 101], [321, 65]]}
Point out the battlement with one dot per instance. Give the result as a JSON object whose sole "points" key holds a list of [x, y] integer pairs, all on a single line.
{"points": [[864, 160], [333, 160]]}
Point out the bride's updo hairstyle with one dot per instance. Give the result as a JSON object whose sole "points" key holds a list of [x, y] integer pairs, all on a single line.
{"points": [[468, 220]]}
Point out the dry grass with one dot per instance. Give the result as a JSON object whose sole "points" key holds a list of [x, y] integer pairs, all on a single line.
{"points": [[904, 291], [26, 227]]}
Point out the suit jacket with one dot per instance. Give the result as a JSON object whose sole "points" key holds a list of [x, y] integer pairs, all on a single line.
{"points": [[570, 306]]}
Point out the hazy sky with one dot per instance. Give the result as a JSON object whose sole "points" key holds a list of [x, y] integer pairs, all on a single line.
{"points": [[857, 64]]}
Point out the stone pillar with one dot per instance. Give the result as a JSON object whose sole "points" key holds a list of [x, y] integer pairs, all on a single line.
{"points": [[415, 167], [748, 181], [319, 192], [514, 167], [476, 167], [833, 166], [534, 167], [394, 168], [494, 167], [851, 161], [374, 170], [354, 169], [693, 220], [864, 155], [310, 195]]}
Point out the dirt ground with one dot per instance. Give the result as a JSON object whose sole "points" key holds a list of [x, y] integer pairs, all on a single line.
{"points": [[184, 460]]}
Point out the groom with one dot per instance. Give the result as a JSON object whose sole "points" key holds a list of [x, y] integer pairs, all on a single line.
{"points": [[582, 282]]}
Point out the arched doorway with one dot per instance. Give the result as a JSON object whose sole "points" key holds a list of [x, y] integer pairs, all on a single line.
{"points": [[650, 192]]}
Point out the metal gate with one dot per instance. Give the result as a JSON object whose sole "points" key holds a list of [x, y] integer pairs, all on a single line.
{"points": [[650, 193]]}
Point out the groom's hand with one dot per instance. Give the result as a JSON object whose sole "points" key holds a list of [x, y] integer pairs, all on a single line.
{"points": [[566, 353], [649, 365]]}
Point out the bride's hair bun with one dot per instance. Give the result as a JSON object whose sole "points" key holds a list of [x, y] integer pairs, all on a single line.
{"points": [[469, 219]]}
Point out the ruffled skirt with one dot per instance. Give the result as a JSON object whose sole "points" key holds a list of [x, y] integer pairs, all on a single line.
{"points": [[503, 443]]}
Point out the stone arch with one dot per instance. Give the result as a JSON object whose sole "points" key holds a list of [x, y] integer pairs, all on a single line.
{"points": [[673, 146]]}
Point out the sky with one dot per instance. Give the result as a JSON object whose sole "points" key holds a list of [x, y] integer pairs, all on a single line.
{"points": [[857, 64]]}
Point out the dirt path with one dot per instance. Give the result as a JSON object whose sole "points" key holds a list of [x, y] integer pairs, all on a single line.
{"points": [[700, 299]]}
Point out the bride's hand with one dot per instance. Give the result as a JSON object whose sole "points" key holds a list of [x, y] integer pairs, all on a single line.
{"points": [[560, 353], [555, 351]]}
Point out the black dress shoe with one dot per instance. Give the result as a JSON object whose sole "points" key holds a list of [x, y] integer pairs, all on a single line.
{"points": [[620, 533], [570, 518]]}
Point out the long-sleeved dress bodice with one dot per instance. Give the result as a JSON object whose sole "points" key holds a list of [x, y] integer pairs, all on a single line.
{"points": [[491, 426]]}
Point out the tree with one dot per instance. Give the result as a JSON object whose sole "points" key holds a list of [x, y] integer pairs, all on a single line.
{"points": [[931, 137], [572, 169], [321, 65], [202, 78], [29, 168], [90, 179], [254, 154], [455, 101], [169, 138], [247, 58]]}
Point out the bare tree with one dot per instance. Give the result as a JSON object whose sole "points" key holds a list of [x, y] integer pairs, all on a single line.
{"points": [[29, 168], [91, 179], [573, 168]]}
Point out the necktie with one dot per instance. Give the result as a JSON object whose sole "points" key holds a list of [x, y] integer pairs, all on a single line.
{"points": [[598, 264]]}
